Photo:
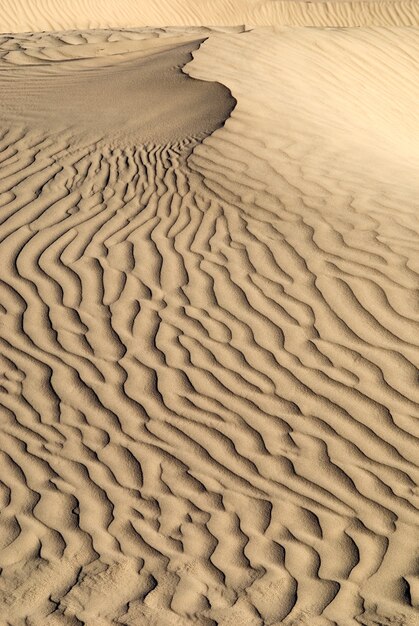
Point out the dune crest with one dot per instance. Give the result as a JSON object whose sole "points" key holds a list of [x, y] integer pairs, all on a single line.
{"points": [[78, 88], [208, 336]]}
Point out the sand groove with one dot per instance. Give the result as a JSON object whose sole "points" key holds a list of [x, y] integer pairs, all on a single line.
{"points": [[209, 346]]}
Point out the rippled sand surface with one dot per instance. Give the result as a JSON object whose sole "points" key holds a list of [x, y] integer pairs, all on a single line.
{"points": [[44, 15], [209, 279]]}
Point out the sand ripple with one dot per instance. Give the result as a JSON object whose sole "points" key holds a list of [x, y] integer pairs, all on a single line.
{"points": [[209, 345], [44, 15]]}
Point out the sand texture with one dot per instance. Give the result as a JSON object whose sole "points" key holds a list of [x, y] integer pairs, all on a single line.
{"points": [[43, 15], [209, 278]]}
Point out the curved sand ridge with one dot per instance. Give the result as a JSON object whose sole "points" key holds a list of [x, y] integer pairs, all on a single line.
{"points": [[209, 357], [42, 15], [110, 90]]}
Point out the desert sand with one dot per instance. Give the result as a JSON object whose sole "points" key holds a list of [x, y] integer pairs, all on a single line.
{"points": [[47, 15], [209, 245]]}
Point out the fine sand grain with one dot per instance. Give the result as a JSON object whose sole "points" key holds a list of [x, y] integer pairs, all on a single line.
{"points": [[209, 279]]}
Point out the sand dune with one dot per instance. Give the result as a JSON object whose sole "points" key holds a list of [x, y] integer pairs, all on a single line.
{"points": [[44, 15], [209, 330], [46, 88]]}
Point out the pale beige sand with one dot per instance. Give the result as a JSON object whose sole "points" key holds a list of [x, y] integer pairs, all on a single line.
{"points": [[43, 15], [209, 337]]}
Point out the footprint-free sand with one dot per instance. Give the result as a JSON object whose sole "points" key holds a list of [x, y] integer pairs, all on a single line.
{"points": [[209, 300]]}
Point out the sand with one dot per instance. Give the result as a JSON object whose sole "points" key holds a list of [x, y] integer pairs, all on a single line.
{"points": [[46, 15], [209, 320]]}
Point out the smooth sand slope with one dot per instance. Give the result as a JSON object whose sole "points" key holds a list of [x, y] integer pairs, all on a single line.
{"points": [[42, 15], [209, 331]]}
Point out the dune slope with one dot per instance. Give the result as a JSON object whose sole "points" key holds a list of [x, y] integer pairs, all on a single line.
{"points": [[209, 327], [44, 15]]}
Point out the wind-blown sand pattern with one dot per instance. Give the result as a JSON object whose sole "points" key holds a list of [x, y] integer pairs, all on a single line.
{"points": [[40, 15], [209, 298]]}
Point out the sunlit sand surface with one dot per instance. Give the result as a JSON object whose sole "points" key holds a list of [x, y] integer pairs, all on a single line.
{"points": [[209, 322]]}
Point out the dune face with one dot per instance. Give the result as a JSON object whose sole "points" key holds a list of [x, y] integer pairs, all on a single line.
{"points": [[209, 327], [132, 91]]}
